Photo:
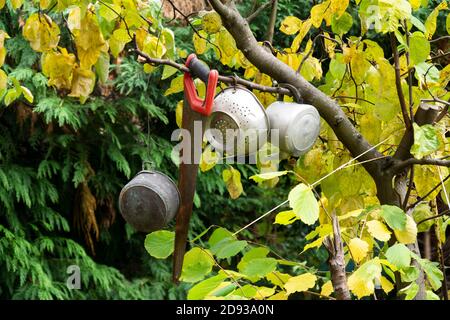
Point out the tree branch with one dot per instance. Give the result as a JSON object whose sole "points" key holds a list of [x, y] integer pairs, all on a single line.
{"points": [[256, 13], [272, 21], [398, 83], [282, 73], [336, 261], [224, 79], [413, 161]]}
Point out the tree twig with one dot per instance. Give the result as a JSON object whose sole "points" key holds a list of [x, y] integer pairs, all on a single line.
{"points": [[256, 13], [272, 21], [413, 161], [224, 79], [398, 83]]}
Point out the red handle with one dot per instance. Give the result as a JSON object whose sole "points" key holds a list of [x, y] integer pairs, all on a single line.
{"points": [[197, 104]]}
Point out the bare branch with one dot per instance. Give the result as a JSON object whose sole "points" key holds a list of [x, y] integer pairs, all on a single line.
{"points": [[413, 161], [272, 21], [224, 79], [336, 261], [256, 13], [398, 83]]}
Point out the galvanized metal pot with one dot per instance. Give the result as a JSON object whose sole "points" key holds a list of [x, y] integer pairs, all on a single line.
{"points": [[237, 109], [298, 125], [149, 201]]}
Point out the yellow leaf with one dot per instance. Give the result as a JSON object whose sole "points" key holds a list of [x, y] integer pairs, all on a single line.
{"points": [[358, 249], [41, 32], [378, 230], [386, 285], [44, 4], [286, 217], [291, 25], [361, 281], [3, 80], [154, 46], [320, 12], [179, 113], [360, 287], [2, 55], [315, 244], [82, 84], [304, 29], [327, 288], [415, 4], [88, 37], [338, 7], [227, 44], [232, 178], [208, 159], [122, 35], [58, 67], [27, 94], [279, 296], [359, 66], [426, 178], [211, 22], [300, 283], [329, 46], [2, 4], [16, 4], [199, 43], [408, 235], [176, 85], [431, 22]]}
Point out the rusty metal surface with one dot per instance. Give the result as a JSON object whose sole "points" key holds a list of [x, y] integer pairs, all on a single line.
{"points": [[149, 201], [186, 184]]}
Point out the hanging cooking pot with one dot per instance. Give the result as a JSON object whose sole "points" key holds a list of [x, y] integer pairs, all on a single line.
{"points": [[238, 124], [149, 201], [298, 124]]}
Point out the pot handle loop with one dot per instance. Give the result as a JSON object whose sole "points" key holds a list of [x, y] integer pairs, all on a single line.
{"points": [[210, 77], [148, 165], [295, 92]]}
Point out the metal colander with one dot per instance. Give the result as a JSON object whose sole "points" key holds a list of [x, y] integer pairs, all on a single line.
{"points": [[239, 121]]}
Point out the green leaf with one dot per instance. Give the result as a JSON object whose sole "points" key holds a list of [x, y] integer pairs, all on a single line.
{"points": [[421, 212], [394, 217], [27, 94], [159, 244], [197, 264], [433, 273], [201, 289], [168, 71], [426, 141], [227, 248], [11, 96], [399, 255], [409, 274], [419, 48], [304, 204], [432, 296], [102, 67], [286, 217], [418, 24], [267, 176], [410, 291], [341, 25], [218, 235], [259, 267]]}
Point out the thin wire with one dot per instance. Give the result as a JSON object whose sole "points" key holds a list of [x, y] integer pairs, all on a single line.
{"points": [[312, 185]]}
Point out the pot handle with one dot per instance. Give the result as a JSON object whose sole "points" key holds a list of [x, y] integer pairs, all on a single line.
{"points": [[210, 77]]}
